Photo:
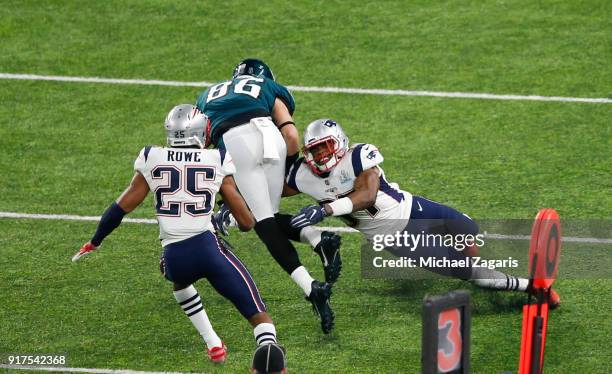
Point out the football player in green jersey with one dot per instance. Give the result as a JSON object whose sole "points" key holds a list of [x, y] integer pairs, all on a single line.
{"points": [[251, 117]]}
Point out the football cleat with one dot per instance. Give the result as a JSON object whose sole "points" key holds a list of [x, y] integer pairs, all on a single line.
{"points": [[319, 298], [555, 300], [329, 251], [218, 355], [85, 249]]}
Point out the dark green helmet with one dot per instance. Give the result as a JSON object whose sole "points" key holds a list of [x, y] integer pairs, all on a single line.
{"points": [[254, 67]]}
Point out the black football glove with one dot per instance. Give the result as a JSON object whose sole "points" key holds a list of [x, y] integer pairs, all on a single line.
{"points": [[222, 219], [310, 215]]}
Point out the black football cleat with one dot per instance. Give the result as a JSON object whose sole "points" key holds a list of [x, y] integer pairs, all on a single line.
{"points": [[329, 251], [319, 298]]}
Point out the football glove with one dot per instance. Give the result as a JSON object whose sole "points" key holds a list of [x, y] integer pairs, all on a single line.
{"points": [[310, 215], [222, 220], [85, 249]]}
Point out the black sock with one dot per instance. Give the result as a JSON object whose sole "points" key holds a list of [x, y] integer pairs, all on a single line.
{"points": [[278, 244], [284, 222]]}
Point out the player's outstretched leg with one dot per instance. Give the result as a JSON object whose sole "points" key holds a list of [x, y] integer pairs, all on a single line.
{"points": [[455, 223], [496, 280], [189, 300]]}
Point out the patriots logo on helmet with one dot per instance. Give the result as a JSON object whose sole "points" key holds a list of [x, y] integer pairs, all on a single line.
{"points": [[330, 123]]}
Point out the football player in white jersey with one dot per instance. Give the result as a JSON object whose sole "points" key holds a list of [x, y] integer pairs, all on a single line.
{"points": [[348, 182], [185, 179]]}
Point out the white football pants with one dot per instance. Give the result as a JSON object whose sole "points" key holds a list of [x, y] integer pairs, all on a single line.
{"points": [[259, 153]]}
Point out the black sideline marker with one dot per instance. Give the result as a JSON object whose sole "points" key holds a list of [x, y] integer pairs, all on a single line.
{"points": [[446, 333]]}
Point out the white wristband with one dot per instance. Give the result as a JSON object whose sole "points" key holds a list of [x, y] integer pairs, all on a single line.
{"points": [[341, 207]]}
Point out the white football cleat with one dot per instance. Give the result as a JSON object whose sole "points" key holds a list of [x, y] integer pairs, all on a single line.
{"points": [[85, 249]]}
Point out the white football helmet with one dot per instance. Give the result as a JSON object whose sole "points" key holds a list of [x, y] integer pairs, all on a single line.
{"points": [[325, 143], [185, 126]]}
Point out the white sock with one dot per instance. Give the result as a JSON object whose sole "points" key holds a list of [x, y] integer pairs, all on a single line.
{"points": [[310, 235], [265, 333], [488, 278], [189, 300], [303, 279]]}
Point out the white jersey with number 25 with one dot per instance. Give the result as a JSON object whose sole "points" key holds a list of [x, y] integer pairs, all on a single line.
{"points": [[184, 182]]}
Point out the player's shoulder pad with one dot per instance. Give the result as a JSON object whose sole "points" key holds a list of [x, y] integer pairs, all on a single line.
{"points": [[283, 93], [293, 170], [365, 156], [143, 157]]}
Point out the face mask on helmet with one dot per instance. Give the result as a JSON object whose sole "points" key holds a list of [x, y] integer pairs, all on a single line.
{"points": [[325, 143], [323, 154]]}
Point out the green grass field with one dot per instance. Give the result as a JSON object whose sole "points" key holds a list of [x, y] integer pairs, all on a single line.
{"points": [[69, 149]]}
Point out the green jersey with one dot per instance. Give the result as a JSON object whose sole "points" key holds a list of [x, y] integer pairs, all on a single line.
{"points": [[235, 102]]}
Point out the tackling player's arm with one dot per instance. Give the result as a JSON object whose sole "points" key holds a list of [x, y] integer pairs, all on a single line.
{"points": [[325, 146], [364, 196], [131, 197], [236, 204]]}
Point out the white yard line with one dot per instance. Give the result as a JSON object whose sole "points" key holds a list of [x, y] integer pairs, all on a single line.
{"points": [[367, 91], [71, 217], [84, 370]]}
